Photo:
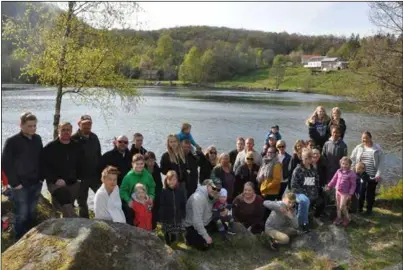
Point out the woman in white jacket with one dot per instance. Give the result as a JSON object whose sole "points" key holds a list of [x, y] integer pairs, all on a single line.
{"points": [[107, 202]]}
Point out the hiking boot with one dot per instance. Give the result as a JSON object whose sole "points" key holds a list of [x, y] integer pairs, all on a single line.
{"points": [[337, 221]]}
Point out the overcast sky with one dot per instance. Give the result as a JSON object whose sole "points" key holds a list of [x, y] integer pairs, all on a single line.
{"points": [[313, 18]]}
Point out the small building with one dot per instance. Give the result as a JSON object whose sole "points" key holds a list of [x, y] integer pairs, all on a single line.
{"points": [[305, 58], [333, 63], [315, 62]]}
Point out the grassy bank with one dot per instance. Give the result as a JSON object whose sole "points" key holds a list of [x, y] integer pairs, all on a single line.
{"points": [[299, 79]]}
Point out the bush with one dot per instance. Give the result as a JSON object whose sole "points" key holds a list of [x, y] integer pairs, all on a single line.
{"points": [[393, 192]]}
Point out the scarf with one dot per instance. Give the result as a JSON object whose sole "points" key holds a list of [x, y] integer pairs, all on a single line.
{"points": [[266, 171]]}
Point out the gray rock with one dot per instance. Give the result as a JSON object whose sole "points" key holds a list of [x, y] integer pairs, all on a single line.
{"points": [[243, 237], [89, 244], [333, 243], [395, 267], [272, 266]]}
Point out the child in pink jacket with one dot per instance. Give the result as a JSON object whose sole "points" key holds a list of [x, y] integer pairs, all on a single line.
{"points": [[345, 181]]}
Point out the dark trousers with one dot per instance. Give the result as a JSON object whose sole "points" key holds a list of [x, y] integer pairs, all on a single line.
{"points": [[85, 186], [169, 238], [266, 210], [25, 202], [129, 213], [194, 239], [155, 212], [367, 193], [282, 190], [319, 204], [67, 208]]}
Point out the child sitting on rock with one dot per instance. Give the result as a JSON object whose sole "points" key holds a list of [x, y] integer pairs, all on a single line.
{"points": [[222, 216], [345, 182], [282, 222], [172, 208], [142, 206]]}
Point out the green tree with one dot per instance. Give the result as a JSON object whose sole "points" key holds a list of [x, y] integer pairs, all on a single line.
{"points": [[207, 66], [74, 50], [331, 52], [190, 70]]}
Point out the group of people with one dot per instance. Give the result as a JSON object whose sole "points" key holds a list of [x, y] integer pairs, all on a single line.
{"points": [[267, 191]]}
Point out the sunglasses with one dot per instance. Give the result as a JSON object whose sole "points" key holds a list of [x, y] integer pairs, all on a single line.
{"points": [[213, 153], [249, 159], [280, 146], [125, 142], [216, 189], [271, 152]]}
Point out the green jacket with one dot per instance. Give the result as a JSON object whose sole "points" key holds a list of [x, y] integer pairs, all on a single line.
{"points": [[131, 179]]}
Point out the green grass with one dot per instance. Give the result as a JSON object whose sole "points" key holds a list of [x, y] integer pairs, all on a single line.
{"points": [[392, 193]]}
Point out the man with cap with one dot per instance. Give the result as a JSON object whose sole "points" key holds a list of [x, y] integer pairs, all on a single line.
{"points": [[199, 214], [92, 155], [271, 142]]}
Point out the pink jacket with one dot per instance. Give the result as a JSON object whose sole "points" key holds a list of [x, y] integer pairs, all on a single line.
{"points": [[344, 181]]}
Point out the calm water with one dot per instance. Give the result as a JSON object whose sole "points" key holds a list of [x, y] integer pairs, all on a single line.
{"points": [[217, 116]]}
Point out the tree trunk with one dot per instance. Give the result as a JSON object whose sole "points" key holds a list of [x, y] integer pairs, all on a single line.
{"points": [[62, 59]]}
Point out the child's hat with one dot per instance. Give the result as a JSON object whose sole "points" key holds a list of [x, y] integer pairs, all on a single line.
{"points": [[223, 192]]}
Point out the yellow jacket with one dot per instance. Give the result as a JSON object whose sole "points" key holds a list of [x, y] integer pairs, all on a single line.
{"points": [[272, 185]]}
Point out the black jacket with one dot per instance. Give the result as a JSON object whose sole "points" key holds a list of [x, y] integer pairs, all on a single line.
{"points": [[193, 175], [134, 150], [115, 158], [317, 140], [205, 167], [291, 167], [243, 175], [342, 125], [92, 154], [286, 163], [158, 181], [321, 170], [172, 205], [232, 156], [180, 169], [21, 160], [63, 161]]}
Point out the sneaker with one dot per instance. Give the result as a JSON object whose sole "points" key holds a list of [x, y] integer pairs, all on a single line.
{"points": [[318, 221], [231, 232], [337, 221], [273, 245], [305, 229], [346, 221]]}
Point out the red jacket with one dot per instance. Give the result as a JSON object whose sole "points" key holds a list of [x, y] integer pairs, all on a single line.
{"points": [[4, 179], [142, 215]]}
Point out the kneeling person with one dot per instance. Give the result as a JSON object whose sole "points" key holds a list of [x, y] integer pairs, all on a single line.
{"points": [[282, 222]]}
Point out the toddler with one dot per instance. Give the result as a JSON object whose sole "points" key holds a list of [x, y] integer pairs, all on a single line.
{"points": [[275, 130], [345, 182], [221, 214], [186, 135], [142, 206]]}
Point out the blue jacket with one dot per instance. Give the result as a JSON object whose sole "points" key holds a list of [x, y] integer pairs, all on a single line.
{"points": [[186, 136], [278, 136]]}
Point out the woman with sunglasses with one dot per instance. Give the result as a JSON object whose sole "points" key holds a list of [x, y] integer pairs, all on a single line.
{"points": [[246, 173], [118, 157], [248, 209], [285, 159], [207, 162]]}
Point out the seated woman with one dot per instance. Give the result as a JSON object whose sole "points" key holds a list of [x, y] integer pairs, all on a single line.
{"points": [[248, 209], [107, 202], [246, 173]]}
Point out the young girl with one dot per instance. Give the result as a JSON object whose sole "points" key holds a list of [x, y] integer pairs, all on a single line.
{"points": [[345, 181], [142, 206], [172, 208], [318, 125]]}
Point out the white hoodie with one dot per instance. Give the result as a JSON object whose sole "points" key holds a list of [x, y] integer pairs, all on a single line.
{"points": [[108, 207]]}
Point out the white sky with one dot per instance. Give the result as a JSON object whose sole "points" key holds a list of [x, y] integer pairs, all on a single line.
{"points": [[313, 18]]}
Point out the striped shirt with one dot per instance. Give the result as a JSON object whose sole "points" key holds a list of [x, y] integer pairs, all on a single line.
{"points": [[367, 158]]}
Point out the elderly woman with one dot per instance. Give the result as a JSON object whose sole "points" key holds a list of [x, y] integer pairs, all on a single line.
{"points": [[223, 171], [107, 202], [246, 173], [248, 209], [305, 184], [372, 156], [285, 159]]}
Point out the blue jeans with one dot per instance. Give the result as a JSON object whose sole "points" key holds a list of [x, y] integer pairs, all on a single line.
{"points": [[303, 209], [25, 201]]}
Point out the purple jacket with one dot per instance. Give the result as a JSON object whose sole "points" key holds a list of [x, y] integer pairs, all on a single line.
{"points": [[345, 181]]}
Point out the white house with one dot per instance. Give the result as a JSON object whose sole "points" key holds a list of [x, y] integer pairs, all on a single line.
{"points": [[315, 62], [333, 63]]}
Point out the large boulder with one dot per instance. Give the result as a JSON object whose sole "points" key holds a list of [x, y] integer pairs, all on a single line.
{"points": [[77, 243], [333, 242]]}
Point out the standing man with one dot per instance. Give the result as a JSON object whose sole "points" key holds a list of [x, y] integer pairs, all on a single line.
{"points": [[21, 159], [137, 146], [63, 162], [240, 146], [240, 158], [92, 155], [118, 157]]}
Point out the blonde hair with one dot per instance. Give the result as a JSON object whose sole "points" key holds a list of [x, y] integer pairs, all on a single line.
{"points": [[281, 142], [221, 157], [314, 115], [306, 152], [175, 154], [249, 155], [290, 196], [139, 187], [345, 158], [109, 170], [297, 142], [170, 174]]}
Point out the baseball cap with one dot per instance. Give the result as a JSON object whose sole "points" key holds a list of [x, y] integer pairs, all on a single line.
{"points": [[214, 182], [85, 118], [273, 136]]}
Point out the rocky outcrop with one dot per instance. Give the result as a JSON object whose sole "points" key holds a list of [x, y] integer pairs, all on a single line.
{"points": [[333, 243], [89, 244]]}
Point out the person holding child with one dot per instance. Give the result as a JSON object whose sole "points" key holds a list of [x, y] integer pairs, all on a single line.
{"points": [[107, 202], [344, 181], [275, 130], [185, 134], [282, 222], [172, 210], [142, 205], [222, 216]]}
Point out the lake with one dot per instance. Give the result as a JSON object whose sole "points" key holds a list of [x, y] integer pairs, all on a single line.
{"points": [[217, 116]]}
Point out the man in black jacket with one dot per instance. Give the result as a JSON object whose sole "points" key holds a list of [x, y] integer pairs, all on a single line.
{"points": [[63, 161], [118, 157], [92, 155], [192, 164], [137, 146], [21, 163], [240, 146]]}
